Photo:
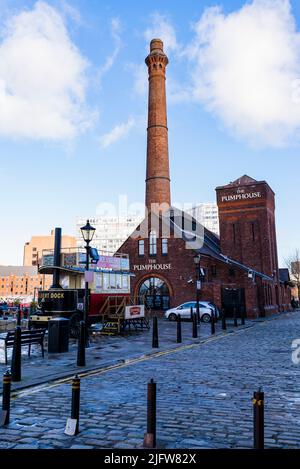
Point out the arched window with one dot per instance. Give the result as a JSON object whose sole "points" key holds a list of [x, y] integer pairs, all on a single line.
{"points": [[152, 243]]}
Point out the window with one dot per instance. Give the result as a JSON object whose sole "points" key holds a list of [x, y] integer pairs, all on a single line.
{"points": [[106, 281], [112, 282], [125, 282], [164, 246], [141, 247], [214, 270], [152, 243], [231, 272]]}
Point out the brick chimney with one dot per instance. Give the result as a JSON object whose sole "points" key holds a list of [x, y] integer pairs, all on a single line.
{"points": [[158, 173]]}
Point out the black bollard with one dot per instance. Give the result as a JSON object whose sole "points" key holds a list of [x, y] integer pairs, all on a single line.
{"points": [[16, 356], [243, 316], [81, 345], [192, 314], [235, 317], [212, 324], [6, 395], [195, 331], [150, 436], [224, 327], [258, 419], [155, 333], [75, 407], [179, 335], [19, 317]]}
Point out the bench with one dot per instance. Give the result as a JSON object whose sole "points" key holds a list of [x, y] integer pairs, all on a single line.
{"points": [[28, 337]]}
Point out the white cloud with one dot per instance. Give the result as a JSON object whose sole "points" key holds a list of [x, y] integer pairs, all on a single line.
{"points": [[246, 65], [161, 28], [118, 132], [42, 78], [116, 36]]}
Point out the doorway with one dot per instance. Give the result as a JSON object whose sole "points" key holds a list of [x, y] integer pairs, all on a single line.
{"points": [[233, 298]]}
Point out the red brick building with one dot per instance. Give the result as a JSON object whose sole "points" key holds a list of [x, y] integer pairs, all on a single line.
{"points": [[239, 269]]}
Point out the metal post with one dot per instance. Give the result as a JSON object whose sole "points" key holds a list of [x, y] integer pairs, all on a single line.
{"points": [[243, 315], [150, 436], [195, 331], [192, 313], [198, 307], [235, 317], [16, 356], [179, 335], [224, 327], [86, 297], [19, 316], [198, 293], [75, 406], [258, 419], [212, 324], [56, 260], [155, 333], [6, 395], [81, 345]]}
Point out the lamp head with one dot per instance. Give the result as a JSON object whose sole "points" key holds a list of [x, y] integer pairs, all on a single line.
{"points": [[87, 232]]}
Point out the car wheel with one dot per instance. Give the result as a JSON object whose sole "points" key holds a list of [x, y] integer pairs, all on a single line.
{"points": [[206, 318], [172, 317]]}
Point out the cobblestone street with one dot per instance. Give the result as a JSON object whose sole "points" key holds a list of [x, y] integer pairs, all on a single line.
{"points": [[204, 396]]}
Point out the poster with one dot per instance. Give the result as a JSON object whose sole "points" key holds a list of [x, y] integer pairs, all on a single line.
{"points": [[134, 311]]}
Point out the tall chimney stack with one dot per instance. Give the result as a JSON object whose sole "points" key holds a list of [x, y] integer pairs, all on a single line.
{"points": [[158, 173]]}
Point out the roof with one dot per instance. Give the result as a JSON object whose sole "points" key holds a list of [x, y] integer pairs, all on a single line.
{"points": [[284, 276], [208, 242], [243, 180], [18, 271]]}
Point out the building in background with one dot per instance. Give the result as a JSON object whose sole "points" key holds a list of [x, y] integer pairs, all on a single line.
{"points": [[207, 215], [111, 232], [174, 261], [33, 249], [22, 282]]}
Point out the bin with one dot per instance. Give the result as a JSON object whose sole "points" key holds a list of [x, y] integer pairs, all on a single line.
{"points": [[58, 335]]}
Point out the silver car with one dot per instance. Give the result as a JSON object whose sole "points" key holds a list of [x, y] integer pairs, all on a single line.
{"points": [[185, 311]]}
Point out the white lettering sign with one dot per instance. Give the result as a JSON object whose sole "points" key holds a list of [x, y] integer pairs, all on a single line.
{"points": [[241, 196], [152, 267]]}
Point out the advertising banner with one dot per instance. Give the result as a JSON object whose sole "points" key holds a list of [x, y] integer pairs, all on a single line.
{"points": [[134, 311]]}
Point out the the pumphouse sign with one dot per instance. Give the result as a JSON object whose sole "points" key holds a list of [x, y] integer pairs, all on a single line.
{"points": [[241, 195]]}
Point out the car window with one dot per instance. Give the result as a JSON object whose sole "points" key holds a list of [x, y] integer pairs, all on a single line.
{"points": [[188, 305]]}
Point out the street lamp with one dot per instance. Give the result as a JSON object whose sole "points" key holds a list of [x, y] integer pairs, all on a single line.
{"points": [[87, 232], [197, 264]]}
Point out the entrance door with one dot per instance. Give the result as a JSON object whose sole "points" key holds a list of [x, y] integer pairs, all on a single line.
{"points": [[154, 293], [233, 298]]}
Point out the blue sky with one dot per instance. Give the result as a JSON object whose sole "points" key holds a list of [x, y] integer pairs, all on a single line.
{"points": [[73, 106]]}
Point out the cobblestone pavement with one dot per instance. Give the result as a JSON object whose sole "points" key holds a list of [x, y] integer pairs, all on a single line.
{"points": [[204, 397], [104, 351]]}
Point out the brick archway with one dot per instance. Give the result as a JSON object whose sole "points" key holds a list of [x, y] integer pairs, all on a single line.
{"points": [[156, 295], [150, 275]]}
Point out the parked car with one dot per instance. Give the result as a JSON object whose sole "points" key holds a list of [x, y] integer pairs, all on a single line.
{"points": [[209, 304], [185, 311]]}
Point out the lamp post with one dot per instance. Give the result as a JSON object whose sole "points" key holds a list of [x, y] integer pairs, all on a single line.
{"points": [[87, 232], [197, 264]]}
